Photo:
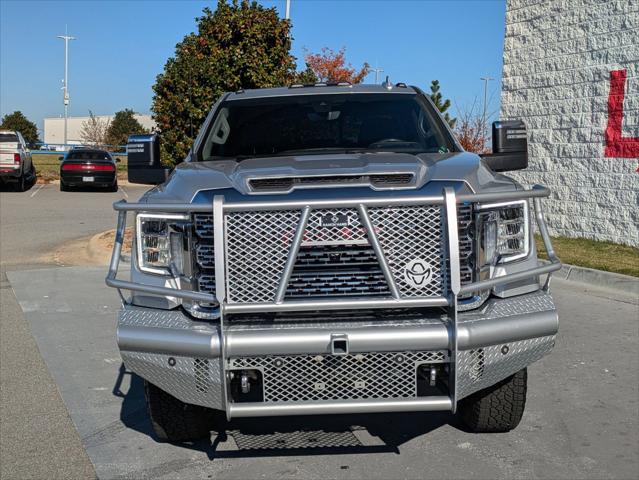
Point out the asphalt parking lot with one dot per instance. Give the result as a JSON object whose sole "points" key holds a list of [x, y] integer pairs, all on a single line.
{"points": [[70, 409]]}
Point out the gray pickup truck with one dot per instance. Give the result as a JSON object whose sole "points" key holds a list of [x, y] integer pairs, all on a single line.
{"points": [[331, 249]]}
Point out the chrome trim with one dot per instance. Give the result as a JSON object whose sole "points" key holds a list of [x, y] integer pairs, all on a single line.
{"points": [[162, 291], [173, 341], [537, 191], [377, 248], [310, 305], [453, 239], [452, 234], [299, 341], [292, 255], [239, 410], [122, 207], [344, 203], [545, 236], [473, 331], [220, 289]]}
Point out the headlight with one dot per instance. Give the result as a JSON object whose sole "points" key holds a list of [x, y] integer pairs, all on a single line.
{"points": [[504, 232], [159, 241]]}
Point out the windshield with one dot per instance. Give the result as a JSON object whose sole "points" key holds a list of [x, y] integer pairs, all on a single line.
{"points": [[95, 156], [316, 124], [8, 138]]}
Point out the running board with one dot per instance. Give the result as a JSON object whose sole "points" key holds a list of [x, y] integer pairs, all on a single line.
{"points": [[258, 409]]}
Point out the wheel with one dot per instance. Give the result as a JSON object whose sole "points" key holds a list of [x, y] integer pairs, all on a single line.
{"points": [[175, 421], [63, 187], [114, 187], [33, 175], [21, 186], [498, 408]]}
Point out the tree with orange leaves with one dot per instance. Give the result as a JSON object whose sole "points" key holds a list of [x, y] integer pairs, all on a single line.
{"points": [[330, 66]]}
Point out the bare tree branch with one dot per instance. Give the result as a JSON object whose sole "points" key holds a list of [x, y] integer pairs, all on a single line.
{"points": [[94, 131], [470, 129]]}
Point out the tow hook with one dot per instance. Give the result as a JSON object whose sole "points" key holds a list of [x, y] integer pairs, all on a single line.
{"points": [[433, 376], [244, 383]]}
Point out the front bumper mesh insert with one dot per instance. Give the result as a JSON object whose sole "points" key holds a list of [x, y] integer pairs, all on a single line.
{"points": [[377, 375]]}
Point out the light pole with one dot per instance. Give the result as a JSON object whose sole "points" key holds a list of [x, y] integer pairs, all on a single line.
{"points": [[66, 39], [377, 72], [288, 10], [486, 80]]}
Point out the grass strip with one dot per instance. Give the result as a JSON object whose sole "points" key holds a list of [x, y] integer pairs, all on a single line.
{"points": [[607, 256]]}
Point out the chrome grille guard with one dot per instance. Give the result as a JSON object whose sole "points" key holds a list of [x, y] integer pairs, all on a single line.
{"points": [[448, 202]]}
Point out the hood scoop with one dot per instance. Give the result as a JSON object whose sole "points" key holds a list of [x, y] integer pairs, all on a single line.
{"points": [[287, 184]]}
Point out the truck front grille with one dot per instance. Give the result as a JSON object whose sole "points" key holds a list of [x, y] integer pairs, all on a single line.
{"points": [[336, 270], [466, 232], [300, 378]]}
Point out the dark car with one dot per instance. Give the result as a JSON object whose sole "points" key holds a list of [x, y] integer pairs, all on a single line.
{"points": [[88, 168]]}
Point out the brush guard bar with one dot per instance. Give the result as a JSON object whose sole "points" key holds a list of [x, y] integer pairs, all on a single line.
{"points": [[448, 201]]}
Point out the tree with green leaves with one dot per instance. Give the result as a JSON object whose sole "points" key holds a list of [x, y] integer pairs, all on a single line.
{"points": [[17, 121], [306, 76], [240, 45], [124, 124], [442, 105]]}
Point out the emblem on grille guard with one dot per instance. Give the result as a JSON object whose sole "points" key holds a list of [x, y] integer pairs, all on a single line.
{"points": [[336, 220], [418, 273]]}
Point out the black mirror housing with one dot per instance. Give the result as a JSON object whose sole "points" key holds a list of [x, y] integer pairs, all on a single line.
{"points": [[510, 146], [144, 160]]}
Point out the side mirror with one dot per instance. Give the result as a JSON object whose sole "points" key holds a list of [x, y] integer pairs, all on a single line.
{"points": [[510, 147], [118, 159], [60, 158], [144, 160]]}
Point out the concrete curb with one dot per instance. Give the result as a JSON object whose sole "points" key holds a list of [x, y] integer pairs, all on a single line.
{"points": [[599, 278], [95, 249]]}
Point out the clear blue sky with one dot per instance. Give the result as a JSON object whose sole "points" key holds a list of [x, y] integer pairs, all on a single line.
{"points": [[122, 46]]}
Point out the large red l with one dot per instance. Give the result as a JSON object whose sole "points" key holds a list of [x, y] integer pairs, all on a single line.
{"points": [[616, 144]]}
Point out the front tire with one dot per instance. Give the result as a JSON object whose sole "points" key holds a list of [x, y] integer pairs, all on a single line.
{"points": [[175, 421], [498, 408]]}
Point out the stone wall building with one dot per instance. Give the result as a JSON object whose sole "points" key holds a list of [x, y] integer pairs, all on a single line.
{"points": [[571, 72]]}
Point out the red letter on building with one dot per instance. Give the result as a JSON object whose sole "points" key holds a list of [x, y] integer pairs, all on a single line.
{"points": [[616, 144]]}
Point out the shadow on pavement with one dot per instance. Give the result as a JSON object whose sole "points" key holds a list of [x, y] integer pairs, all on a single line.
{"points": [[288, 436], [13, 186]]}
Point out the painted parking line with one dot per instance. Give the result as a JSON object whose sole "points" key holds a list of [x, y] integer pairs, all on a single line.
{"points": [[126, 195], [35, 192]]}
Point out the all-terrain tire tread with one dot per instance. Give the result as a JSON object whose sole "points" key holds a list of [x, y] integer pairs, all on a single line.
{"points": [[498, 408], [175, 421]]}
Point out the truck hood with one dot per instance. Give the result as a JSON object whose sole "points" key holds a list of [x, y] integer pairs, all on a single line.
{"points": [[463, 169]]}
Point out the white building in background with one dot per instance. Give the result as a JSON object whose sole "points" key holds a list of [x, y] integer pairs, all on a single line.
{"points": [[54, 127], [571, 73]]}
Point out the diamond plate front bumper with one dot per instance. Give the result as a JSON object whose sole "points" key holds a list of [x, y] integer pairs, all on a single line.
{"points": [[183, 357]]}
